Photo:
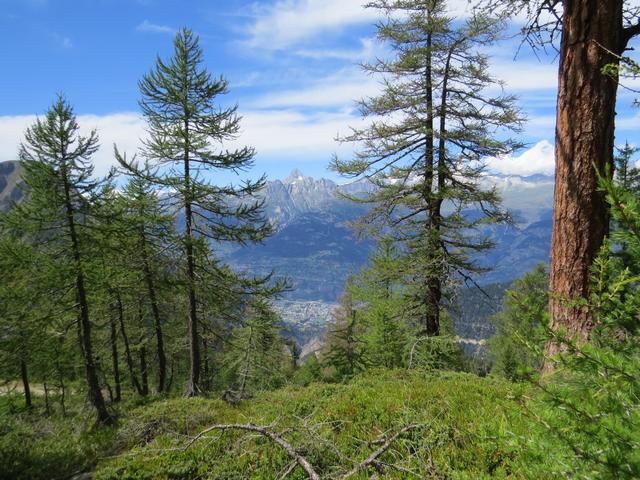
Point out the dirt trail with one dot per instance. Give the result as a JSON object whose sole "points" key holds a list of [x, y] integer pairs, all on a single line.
{"points": [[16, 387]]}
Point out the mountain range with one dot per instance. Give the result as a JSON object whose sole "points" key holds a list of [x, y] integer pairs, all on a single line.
{"points": [[314, 247], [9, 184]]}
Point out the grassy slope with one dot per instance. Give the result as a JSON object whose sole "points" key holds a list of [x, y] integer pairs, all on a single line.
{"points": [[474, 428]]}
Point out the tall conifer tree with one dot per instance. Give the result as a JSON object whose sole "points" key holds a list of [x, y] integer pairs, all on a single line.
{"points": [[186, 132], [58, 213], [593, 37], [435, 121]]}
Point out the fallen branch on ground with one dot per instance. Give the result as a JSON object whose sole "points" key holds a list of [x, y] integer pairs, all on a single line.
{"points": [[372, 460], [291, 451]]}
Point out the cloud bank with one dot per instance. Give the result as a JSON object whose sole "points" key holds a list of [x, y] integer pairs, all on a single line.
{"points": [[287, 135], [538, 159]]}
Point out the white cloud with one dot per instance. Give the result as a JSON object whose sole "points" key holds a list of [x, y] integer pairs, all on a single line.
{"points": [[521, 75], [288, 22], [125, 129], [631, 123], [459, 8], [148, 27], [541, 126], [294, 134], [366, 52], [341, 90], [62, 41], [538, 159], [11, 133], [282, 134], [274, 133]]}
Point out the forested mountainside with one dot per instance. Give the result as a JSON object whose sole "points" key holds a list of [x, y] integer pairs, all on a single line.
{"points": [[316, 249], [9, 184], [146, 327]]}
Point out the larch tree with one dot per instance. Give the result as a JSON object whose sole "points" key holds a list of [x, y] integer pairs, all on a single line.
{"points": [[256, 359], [185, 146], [438, 116], [626, 173], [148, 229], [20, 302], [344, 350], [378, 290], [593, 36], [520, 325], [57, 215]]}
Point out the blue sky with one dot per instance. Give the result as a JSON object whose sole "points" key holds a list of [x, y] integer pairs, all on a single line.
{"points": [[292, 67]]}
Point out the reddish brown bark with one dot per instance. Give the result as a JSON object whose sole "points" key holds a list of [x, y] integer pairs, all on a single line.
{"points": [[592, 29]]}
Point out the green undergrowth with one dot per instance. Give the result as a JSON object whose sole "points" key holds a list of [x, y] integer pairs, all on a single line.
{"points": [[35, 447], [466, 427]]}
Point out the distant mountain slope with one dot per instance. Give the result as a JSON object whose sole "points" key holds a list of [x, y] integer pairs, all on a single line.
{"points": [[10, 182], [315, 248], [313, 245]]}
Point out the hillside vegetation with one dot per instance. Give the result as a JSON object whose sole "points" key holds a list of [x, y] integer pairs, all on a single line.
{"points": [[130, 348], [465, 427]]}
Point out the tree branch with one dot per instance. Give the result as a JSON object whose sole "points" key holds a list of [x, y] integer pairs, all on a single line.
{"points": [[291, 451], [627, 34], [372, 460]]}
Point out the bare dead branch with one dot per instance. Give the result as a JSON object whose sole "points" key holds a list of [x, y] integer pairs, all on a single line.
{"points": [[264, 431], [290, 468], [372, 460]]}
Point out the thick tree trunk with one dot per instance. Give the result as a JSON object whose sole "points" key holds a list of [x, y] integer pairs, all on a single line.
{"points": [[435, 214], [584, 146], [432, 294], [157, 325], [95, 394], [24, 374]]}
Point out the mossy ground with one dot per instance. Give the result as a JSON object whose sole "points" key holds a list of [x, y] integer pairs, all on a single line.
{"points": [[469, 428]]}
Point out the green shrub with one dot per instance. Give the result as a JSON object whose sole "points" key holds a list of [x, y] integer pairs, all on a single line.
{"points": [[33, 448], [469, 427]]}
